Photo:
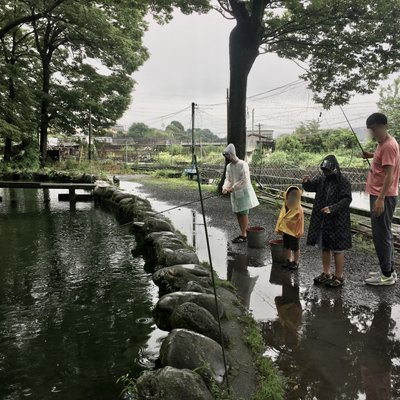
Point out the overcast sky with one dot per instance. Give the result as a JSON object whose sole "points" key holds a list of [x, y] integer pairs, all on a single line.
{"points": [[189, 63]]}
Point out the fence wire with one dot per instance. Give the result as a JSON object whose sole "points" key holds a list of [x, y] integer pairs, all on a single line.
{"points": [[279, 177]]}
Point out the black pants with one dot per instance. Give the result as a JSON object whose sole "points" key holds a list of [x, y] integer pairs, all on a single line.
{"points": [[291, 242], [382, 233]]}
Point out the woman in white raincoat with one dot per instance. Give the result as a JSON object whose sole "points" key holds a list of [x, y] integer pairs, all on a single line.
{"points": [[238, 184]]}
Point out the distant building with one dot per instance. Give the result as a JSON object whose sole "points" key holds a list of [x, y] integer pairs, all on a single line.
{"points": [[58, 149], [260, 138], [103, 139], [117, 130]]}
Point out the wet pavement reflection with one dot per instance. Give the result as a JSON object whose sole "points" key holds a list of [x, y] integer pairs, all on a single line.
{"points": [[327, 347]]}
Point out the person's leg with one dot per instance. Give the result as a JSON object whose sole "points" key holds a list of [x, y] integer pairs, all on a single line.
{"points": [[295, 246], [326, 264], [287, 250], [382, 234], [243, 220], [339, 264], [326, 261], [297, 256]]}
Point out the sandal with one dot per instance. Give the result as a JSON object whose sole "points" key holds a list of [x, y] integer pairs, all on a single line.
{"points": [[335, 282], [294, 266], [239, 239], [323, 278]]}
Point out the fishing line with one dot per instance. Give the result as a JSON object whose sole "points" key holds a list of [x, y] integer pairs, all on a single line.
{"points": [[188, 204], [181, 205], [355, 135]]}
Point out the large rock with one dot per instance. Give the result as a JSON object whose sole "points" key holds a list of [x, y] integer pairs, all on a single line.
{"points": [[195, 318], [157, 225], [193, 286], [119, 195], [172, 279], [189, 350], [168, 257], [163, 240], [172, 384], [168, 303]]}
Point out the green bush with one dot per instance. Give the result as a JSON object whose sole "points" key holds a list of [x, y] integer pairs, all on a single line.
{"points": [[289, 143]]}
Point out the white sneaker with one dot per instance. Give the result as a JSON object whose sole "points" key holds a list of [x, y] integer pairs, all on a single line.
{"points": [[379, 273], [380, 280]]}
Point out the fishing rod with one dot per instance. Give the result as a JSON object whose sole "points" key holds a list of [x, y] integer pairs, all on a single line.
{"points": [[181, 205], [212, 270], [221, 336], [355, 135]]}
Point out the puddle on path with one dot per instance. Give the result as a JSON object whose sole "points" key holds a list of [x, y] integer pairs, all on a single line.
{"points": [[326, 349]]}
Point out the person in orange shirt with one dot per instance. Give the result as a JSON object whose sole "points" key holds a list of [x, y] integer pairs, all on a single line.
{"points": [[291, 225], [382, 187]]}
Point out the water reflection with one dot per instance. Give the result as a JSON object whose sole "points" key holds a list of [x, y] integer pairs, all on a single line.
{"points": [[74, 304], [239, 274], [330, 350], [327, 348]]}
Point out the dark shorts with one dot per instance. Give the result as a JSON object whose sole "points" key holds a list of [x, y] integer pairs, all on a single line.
{"points": [[291, 242]]}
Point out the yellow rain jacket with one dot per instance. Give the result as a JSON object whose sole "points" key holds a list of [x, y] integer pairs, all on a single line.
{"points": [[291, 220]]}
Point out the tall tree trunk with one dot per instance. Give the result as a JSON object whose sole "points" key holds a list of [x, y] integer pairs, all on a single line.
{"points": [[44, 108], [7, 149], [243, 51], [12, 95]]}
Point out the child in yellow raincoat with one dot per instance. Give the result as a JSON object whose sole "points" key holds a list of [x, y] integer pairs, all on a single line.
{"points": [[291, 225]]}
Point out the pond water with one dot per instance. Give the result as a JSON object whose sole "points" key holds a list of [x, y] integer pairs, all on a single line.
{"points": [[327, 347], [74, 304]]}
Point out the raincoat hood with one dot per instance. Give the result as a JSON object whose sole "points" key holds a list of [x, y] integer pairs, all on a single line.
{"points": [[230, 149], [332, 163], [298, 200], [291, 219]]}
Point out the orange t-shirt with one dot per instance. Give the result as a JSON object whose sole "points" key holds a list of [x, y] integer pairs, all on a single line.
{"points": [[387, 153]]}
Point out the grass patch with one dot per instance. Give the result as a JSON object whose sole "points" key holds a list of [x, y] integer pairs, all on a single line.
{"points": [[272, 385], [129, 388], [224, 284], [363, 243], [221, 392], [166, 173], [176, 183]]}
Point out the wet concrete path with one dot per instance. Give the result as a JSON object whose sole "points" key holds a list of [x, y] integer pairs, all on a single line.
{"points": [[329, 343]]}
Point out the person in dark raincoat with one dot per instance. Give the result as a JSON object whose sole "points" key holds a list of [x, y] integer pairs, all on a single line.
{"points": [[330, 227]]}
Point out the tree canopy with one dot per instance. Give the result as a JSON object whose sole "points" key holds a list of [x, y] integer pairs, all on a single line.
{"points": [[175, 131], [343, 47], [71, 60], [389, 104], [311, 138]]}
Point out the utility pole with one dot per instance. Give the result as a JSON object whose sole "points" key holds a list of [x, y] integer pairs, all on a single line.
{"points": [[193, 115], [227, 112], [259, 136], [90, 134], [252, 121]]}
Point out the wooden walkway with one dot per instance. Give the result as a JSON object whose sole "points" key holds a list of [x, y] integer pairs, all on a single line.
{"points": [[71, 186], [46, 185]]}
